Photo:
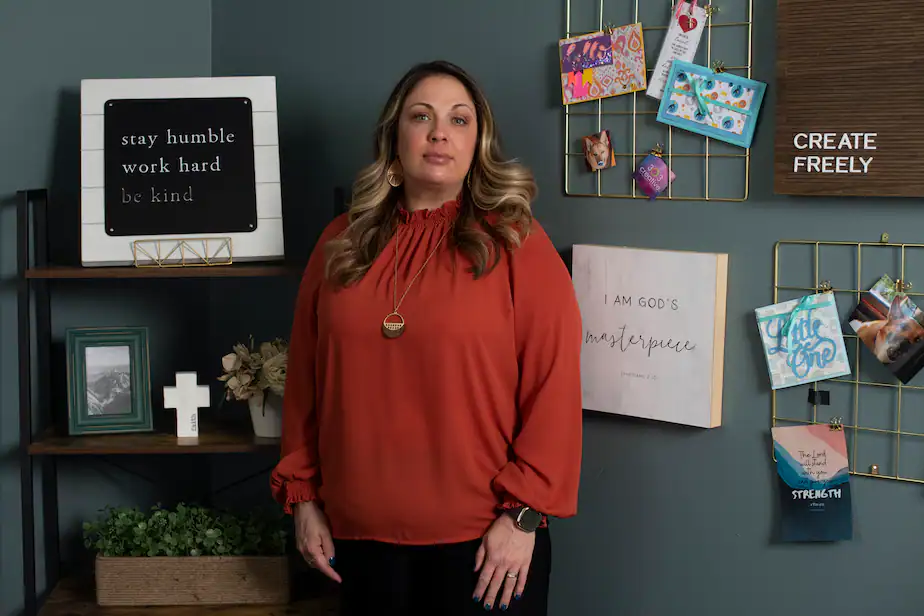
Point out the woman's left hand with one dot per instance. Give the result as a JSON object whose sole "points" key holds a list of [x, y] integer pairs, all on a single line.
{"points": [[503, 559]]}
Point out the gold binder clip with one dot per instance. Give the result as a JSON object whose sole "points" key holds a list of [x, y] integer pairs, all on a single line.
{"points": [[836, 424], [718, 66], [658, 150], [608, 28], [825, 287], [884, 238], [901, 286], [874, 469], [710, 9]]}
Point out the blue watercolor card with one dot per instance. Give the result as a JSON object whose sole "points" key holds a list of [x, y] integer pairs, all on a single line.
{"points": [[814, 483], [803, 341]]}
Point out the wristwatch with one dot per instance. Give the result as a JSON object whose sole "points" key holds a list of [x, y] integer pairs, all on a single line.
{"points": [[527, 519]]}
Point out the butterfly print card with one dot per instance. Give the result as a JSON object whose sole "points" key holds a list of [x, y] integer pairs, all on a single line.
{"points": [[602, 64]]}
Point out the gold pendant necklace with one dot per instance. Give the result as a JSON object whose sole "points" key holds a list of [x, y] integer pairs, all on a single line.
{"points": [[393, 325]]}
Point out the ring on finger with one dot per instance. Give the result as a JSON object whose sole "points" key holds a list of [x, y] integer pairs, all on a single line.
{"points": [[512, 575]]}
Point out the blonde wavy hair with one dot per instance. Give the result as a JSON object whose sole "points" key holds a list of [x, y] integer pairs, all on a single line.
{"points": [[495, 210]]}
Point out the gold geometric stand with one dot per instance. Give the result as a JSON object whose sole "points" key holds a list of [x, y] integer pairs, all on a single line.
{"points": [[186, 252]]}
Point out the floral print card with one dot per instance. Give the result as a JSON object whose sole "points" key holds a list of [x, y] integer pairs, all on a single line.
{"points": [[714, 104], [603, 64]]}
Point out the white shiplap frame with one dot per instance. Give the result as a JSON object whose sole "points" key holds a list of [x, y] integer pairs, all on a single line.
{"points": [[264, 243]]}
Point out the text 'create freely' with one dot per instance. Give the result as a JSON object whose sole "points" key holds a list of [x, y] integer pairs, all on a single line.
{"points": [[843, 162]]}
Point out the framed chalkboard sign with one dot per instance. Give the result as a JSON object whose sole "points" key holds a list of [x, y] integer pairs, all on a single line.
{"points": [[179, 166], [189, 162]]}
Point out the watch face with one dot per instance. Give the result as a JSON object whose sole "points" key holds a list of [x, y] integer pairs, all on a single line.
{"points": [[530, 519]]}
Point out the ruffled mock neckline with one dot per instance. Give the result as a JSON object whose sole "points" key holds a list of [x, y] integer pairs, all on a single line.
{"points": [[446, 212]]}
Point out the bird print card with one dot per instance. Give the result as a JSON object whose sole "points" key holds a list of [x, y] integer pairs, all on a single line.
{"points": [[714, 104], [814, 482], [603, 64], [890, 326], [803, 341]]}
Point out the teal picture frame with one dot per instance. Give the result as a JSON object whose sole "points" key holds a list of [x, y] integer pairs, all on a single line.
{"points": [[108, 380]]}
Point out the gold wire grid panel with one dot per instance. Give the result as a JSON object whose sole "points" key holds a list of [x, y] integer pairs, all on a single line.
{"points": [[894, 429], [629, 149], [188, 252]]}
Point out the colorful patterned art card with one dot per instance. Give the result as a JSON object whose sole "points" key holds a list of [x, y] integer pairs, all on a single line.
{"points": [[814, 483], [890, 326], [602, 64], [717, 105], [803, 341]]}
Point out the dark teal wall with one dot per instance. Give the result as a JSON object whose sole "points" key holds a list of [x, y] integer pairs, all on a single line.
{"points": [[46, 48], [673, 521]]}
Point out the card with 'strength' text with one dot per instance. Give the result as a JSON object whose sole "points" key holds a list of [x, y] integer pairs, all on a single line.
{"points": [[813, 474]]}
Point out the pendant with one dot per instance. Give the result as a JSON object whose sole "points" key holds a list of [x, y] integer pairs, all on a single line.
{"points": [[393, 329]]}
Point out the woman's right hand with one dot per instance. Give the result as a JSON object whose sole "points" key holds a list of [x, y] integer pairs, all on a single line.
{"points": [[313, 538]]}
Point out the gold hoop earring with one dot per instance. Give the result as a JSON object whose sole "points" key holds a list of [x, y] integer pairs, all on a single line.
{"points": [[395, 178]]}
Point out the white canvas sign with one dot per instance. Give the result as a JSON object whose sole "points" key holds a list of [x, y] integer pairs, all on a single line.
{"points": [[170, 161], [654, 332]]}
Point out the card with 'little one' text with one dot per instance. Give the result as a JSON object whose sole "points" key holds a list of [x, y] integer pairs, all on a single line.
{"points": [[803, 341]]}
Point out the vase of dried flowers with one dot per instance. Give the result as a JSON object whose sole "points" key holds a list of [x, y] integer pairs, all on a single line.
{"points": [[258, 375]]}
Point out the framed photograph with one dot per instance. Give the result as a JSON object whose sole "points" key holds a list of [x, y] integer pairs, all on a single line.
{"points": [[108, 380]]}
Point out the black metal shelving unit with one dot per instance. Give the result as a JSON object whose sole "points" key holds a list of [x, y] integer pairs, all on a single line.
{"points": [[40, 449]]}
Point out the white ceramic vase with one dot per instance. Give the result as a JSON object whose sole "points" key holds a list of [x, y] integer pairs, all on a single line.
{"points": [[266, 414]]}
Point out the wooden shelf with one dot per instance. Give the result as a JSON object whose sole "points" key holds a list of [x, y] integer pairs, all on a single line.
{"points": [[77, 597], [212, 439], [236, 270]]}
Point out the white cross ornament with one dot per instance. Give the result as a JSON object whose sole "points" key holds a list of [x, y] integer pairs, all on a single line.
{"points": [[187, 398]]}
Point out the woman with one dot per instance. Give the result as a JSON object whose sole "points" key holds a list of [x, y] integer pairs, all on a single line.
{"points": [[432, 416]]}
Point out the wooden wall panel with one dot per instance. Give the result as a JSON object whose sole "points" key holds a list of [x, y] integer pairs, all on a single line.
{"points": [[849, 73]]}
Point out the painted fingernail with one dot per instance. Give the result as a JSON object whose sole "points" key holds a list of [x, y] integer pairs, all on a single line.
{"points": [[331, 560], [476, 598], [487, 607], [503, 607], [518, 596]]}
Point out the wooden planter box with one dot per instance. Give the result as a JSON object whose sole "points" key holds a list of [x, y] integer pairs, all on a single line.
{"points": [[192, 580]]}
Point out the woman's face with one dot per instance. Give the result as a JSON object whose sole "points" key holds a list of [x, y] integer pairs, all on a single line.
{"points": [[437, 131]]}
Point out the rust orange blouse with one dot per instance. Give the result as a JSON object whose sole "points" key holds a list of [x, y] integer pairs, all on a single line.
{"points": [[420, 439]]}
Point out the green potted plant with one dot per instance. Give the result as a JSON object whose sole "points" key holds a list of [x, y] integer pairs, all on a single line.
{"points": [[188, 555], [258, 375]]}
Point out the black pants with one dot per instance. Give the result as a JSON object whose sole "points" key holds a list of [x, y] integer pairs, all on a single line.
{"points": [[381, 579]]}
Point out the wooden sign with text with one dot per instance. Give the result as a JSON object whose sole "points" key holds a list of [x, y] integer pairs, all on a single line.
{"points": [[848, 85]]}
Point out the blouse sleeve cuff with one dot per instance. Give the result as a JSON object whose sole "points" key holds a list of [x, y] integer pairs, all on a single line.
{"points": [[294, 492]]}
